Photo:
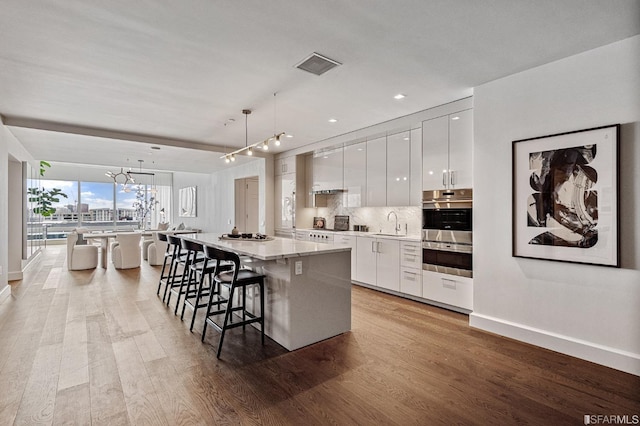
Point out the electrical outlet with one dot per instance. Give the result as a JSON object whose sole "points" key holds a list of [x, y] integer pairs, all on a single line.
{"points": [[298, 267], [229, 222]]}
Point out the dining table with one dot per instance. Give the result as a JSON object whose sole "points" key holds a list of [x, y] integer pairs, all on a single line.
{"points": [[104, 238]]}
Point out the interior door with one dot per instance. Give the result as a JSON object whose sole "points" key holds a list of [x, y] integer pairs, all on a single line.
{"points": [[246, 204], [251, 205]]}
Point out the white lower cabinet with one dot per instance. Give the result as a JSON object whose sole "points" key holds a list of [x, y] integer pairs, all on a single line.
{"points": [[411, 281], [449, 289], [350, 241], [397, 265], [411, 268], [366, 260], [378, 262], [388, 263]]}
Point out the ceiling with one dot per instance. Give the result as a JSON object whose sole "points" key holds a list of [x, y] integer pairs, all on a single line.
{"points": [[101, 82]]}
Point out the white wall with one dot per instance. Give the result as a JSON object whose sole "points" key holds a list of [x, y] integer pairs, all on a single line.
{"points": [[586, 311], [222, 203], [216, 200], [4, 213], [15, 211], [204, 193]]}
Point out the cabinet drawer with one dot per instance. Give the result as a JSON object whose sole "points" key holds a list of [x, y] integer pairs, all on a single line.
{"points": [[411, 255], [450, 289], [411, 281]]}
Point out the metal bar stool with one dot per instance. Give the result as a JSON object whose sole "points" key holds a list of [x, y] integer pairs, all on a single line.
{"points": [[234, 279]]}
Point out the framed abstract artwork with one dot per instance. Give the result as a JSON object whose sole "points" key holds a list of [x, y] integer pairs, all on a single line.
{"points": [[565, 197], [187, 202]]}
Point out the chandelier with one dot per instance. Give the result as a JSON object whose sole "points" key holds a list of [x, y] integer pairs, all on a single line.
{"points": [[121, 177]]}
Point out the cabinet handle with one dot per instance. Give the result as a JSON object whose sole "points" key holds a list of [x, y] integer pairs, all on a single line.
{"points": [[410, 275], [373, 246], [448, 284], [452, 177], [444, 178]]}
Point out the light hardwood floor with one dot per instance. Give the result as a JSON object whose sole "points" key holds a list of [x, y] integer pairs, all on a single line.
{"points": [[99, 347]]}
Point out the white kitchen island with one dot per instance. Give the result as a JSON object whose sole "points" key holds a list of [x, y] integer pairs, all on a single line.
{"points": [[308, 286]]}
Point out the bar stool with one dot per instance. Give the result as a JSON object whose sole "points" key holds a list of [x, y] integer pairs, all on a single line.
{"points": [[167, 258], [198, 292], [234, 279], [177, 258], [194, 257]]}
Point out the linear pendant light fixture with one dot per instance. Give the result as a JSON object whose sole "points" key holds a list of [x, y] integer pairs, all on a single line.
{"points": [[264, 145]]}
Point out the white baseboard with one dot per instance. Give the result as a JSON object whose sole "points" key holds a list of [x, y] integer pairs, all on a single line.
{"points": [[620, 360], [14, 275], [5, 293]]}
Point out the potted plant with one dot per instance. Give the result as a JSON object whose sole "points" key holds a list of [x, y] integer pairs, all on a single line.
{"points": [[44, 198]]}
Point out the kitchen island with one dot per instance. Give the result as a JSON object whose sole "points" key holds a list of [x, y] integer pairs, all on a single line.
{"points": [[308, 286]]}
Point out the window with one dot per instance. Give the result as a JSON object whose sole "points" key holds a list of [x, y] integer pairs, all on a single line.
{"points": [[96, 205]]}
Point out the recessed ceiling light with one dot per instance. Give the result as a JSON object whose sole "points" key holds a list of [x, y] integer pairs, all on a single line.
{"points": [[288, 135], [399, 96], [455, 118], [406, 139], [333, 120]]}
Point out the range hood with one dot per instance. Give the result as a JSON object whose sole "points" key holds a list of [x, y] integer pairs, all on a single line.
{"points": [[328, 191]]}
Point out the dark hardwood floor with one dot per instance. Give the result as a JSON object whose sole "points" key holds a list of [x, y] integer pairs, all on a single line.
{"points": [[99, 347]]}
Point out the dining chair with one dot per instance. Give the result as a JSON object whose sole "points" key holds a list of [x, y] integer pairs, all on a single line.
{"points": [[126, 254], [157, 250], [80, 257]]}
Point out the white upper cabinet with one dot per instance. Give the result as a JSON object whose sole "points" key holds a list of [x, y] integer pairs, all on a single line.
{"points": [[461, 149], [398, 169], [355, 174], [377, 172], [447, 144], [328, 170], [415, 186], [285, 165]]}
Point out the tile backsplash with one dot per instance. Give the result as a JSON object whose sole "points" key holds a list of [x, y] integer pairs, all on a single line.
{"points": [[373, 217]]}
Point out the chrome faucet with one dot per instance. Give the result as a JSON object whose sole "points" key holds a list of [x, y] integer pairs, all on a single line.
{"points": [[397, 228]]}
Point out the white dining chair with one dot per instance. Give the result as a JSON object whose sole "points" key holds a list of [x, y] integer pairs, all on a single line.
{"points": [[80, 257], [157, 250], [126, 254]]}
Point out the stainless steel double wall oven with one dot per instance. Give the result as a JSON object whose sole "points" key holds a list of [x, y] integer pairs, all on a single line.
{"points": [[447, 239]]}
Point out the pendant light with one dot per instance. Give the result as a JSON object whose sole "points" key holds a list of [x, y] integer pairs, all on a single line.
{"points": [[264, 145], [275, 136], [246, 113]]}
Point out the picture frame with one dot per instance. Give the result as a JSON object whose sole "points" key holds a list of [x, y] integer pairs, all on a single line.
{"points": [[565, 201], [187, 202]]}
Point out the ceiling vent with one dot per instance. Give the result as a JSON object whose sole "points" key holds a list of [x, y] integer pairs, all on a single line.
{"points": [[317, 64]]}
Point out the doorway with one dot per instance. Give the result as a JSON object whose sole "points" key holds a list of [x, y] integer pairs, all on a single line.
{"points": [[246, 204]]}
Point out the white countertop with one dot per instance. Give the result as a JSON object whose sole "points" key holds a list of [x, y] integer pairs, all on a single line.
{"points": [[278, 248]]}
